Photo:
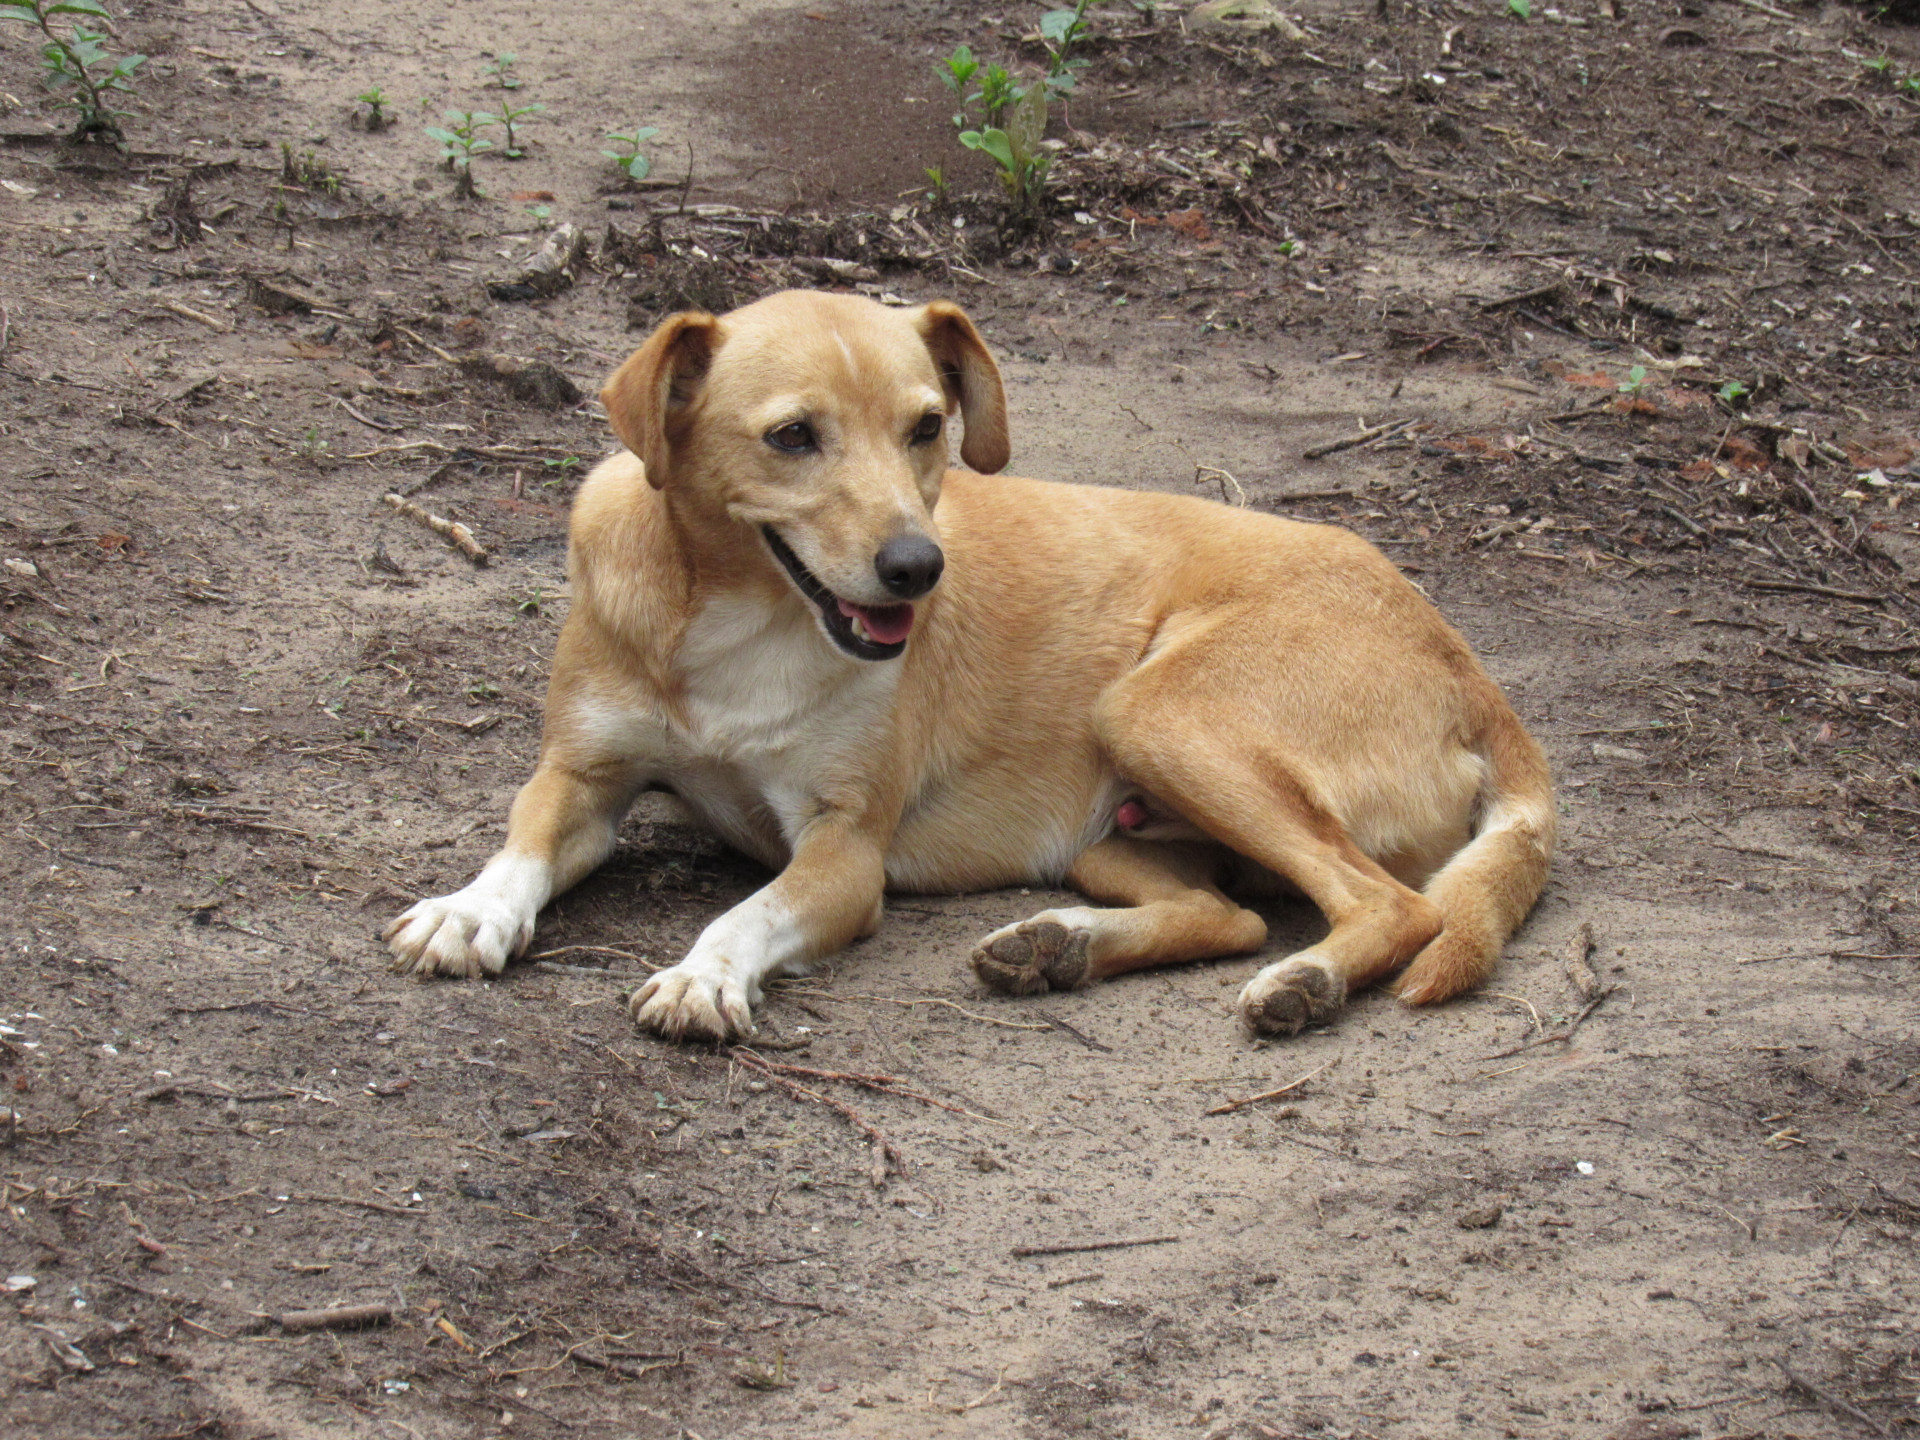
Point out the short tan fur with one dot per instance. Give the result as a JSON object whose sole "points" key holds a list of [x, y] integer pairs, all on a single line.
{"points": [[1146, 696]]}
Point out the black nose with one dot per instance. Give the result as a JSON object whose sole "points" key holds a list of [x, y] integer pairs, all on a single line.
{"points": [[909, 566]]}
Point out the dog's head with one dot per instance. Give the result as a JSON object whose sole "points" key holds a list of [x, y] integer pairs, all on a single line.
{"points": [[819, 420]]}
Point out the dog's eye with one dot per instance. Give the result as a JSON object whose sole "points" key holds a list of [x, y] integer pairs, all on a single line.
{"points": [[929, 427], [795, 438]]}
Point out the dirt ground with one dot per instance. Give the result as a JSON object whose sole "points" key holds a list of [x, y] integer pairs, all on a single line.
{"points": [[250, 712]]}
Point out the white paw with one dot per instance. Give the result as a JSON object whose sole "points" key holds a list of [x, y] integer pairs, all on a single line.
{"points": [[468, 934], [694, 1000]]}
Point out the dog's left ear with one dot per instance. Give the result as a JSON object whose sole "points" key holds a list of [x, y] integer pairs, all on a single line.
{"points": [[652, 398], [969, 376]]}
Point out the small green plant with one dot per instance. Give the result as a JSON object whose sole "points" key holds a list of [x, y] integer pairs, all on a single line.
{"points": [[1880, 64], [629, 159], [938, 190], [956, 72], [1287, 249], [530, 602], [460, 141], [306, 171], [997, 93], [312, 447], [79, 60], [1061, 30], [1635, 383], [1016, 149], [500, 72], [1522, 8], [375, 99], [1732, 393], [541, 212], [511, 115]]}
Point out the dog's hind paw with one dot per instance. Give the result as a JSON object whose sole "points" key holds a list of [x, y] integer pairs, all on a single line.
{"points": [[1033, 957], [1287, 996]]}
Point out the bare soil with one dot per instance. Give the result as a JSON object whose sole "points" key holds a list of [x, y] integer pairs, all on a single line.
{"points": [[250, 712]]}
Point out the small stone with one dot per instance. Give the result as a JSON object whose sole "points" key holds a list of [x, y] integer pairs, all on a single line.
{"points": [[1484, 1218]]}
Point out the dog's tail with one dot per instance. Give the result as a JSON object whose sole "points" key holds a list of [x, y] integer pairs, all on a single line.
{"points": [[1486, 890]]}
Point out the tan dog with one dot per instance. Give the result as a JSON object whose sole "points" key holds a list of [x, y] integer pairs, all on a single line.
{"points": [[869, 671]]}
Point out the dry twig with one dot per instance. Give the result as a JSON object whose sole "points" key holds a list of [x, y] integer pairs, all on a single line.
{"points": [[1373, 432], [1231, 1105], [459, 534], [1025, 1251], [341, 1317]]}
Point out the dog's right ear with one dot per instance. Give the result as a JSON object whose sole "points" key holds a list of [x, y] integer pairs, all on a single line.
{"points": [[653, 398]]}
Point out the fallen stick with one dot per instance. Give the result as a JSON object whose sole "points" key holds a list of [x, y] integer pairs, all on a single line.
{"points": [[1579, 972], [344, 1317], [1231, 1105], [459, 534], [885, 1084], [383, 1208], [1540, 292], [1372, 432], [1558, 1036], [1857, 596], [885, 1151], [1027, 1250], [1829, 1399], [613, 1365], [187, 312]]}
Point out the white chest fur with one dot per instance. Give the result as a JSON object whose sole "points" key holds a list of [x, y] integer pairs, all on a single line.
{"points": [[772, 710]]}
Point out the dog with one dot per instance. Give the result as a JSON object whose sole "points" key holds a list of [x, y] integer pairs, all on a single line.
{"points": [[870, 671]]}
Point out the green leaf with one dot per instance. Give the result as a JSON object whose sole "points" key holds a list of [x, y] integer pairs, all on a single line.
{"points": [[445, 137], [638, 168], [1058, 25], [994, 142], [1522, 8], [78, 7], [1027, 124]]}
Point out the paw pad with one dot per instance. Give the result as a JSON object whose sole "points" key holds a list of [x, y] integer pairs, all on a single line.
{"points": [[1033, 958]]}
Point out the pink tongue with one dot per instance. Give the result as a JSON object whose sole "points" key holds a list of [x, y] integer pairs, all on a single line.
{"points": [[888, 624]]}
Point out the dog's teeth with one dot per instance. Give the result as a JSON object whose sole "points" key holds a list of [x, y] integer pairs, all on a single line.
{"points": [[860, 629]]}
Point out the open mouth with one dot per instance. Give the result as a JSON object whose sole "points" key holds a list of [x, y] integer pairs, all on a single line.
{"points": [[866, 632]]}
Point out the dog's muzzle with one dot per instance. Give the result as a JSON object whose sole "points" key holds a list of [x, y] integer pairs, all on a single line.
{"points": [[866, 632]]}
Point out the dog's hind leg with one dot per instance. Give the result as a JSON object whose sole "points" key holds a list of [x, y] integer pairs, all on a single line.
{"points": [[1241, 788], [1172, 912]]}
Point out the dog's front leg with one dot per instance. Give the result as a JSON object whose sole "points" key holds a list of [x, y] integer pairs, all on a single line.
{"points": [[562, 826], [829, 895]]}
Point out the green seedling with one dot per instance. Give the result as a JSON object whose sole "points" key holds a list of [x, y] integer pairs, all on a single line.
{"points": [[460, 142], [937, 187], [628, 159], [306, 171], [1732, 393], [541, 212], [312, 447], [1287, 249], [79, 60], [375, 99], [500, 72], [530, 602], [1061, 30], [1635, 383], [1880, 64], [997, 93], [1522, 8], [956, 72], [1016, 149], [510, 116]]}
